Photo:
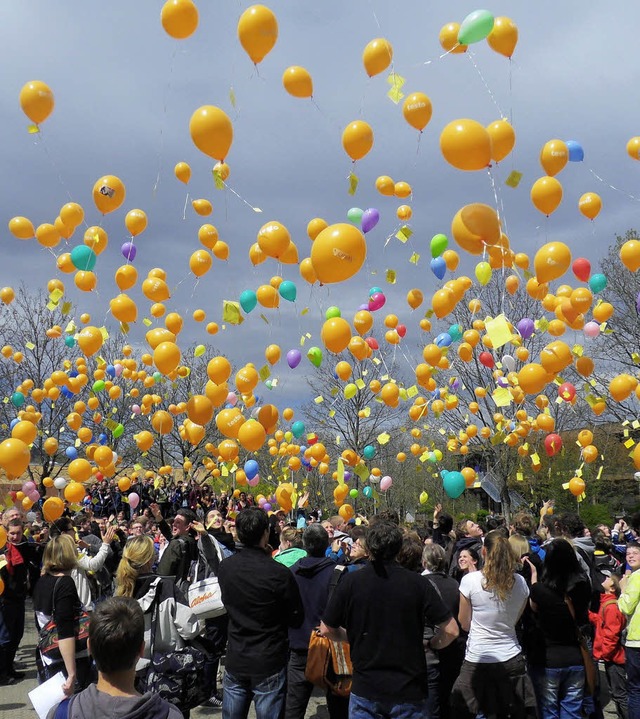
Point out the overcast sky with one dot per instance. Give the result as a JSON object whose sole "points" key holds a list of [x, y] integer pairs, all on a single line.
{"points": [[125, 92]]}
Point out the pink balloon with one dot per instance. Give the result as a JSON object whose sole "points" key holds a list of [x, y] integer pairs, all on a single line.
{"points": [[34, 496], [385, 483], [254, 481], [28, 487], [591, 329], [134, 500], [232, 399], [376, 301], [118, 368], [135, 409]]}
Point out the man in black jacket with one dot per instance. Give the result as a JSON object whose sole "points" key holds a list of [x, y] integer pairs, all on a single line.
{"points": [[182, 549]]}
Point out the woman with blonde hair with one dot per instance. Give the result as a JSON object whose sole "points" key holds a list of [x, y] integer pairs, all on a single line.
{"points": [[56, 597], [290, 550], [493, 680]]}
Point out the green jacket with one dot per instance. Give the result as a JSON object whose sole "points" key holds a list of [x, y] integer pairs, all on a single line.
{"points": [[290, 556], [628, 605]]}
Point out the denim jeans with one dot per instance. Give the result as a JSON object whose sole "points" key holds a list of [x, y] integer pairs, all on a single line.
{"points": [[559, 691], [633, 681], [267, 694], [361, 708]]}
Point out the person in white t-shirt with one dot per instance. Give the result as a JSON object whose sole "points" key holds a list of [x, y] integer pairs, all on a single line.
{"points": [[493, 680]]}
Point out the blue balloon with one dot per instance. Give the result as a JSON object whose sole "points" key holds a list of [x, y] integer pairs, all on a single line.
{"points": [[111, 370], [248, 300], [438, 267], [71, 452], [576, 153], [66, 392], [73, 373], [251, 468], [297, 429], [443, 339], [454, 484], [102, 438], [14, 422]]}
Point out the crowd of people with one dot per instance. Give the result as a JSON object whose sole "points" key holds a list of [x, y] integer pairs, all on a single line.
{"points": [[500, 619]]}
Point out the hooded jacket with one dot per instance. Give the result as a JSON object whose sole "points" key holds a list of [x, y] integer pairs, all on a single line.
{"points": [[608, 624], [628, 605], [312, 575], [94, 704], [290, 556]]}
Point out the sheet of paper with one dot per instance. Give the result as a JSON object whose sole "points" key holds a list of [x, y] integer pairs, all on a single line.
{"points": [[47, 695]]}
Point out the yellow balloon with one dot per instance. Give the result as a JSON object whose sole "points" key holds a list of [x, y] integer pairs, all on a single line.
{"points": [[307, 272], [22, 228], [554, 156], [448, 38], [211, 131], [377, 56], [96, 238], [546, 194], [36, 101], [338, 253], [336, 334], [357, 139], [179, 18], [630, 255], [475, 227], [297, 81], [123, 308], [417, 110], [183, 172], [136, 222], [466, 145], [90, 340], [202, 207], [503, 138], [257, 32], [126, 276], [504, 36], [47, 235], [155, 289], [273, 239], [108, 193], [72, 214], [552, 261], [200, 262], [590, 205], [633, 148], [166, 357]]}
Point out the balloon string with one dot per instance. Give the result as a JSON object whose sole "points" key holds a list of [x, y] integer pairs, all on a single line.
{"points": [[491, 95], [248, 204], [184, 209], [167, 90], [612, 187]]}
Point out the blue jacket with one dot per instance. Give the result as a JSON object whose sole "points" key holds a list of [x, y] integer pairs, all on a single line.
{"points": [[312, 575]]}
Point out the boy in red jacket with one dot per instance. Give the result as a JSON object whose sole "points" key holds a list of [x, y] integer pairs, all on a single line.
{"points": [[609, 624]]}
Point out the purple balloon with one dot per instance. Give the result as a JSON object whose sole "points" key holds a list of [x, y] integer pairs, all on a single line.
{"points": [[129, 250], [366, 306], [526, 327], [293, 358], [370, 219]]}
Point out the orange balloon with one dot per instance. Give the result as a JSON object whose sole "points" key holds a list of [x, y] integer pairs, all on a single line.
{"points": [[256, 255], [52, 509], [74, 492], [272, 354], [200, 409], [576, 486], [297, 82], [155, 289], [50, 446], [476, 226], [252, 435], [377, 56], [179, 18], [126, 276], [157, 335], [47, 235], [336, 334], [85, 281], [166, 357], [96, 238], [200, 262], [219, 370], [307, 272], [136, 222], [417, 110], [630, 255], [552, 261], [79, 470], [36, 101], [556, 356], [546, 194], [274, 239], [590, 205], [123, 308], [554, 156], [246, 379], [162, 422], [268, 296], [211, 131], [108, 193], [338, 253], [363, 321], [182, 171], [466, 145], [385, 186], [533, 378], [22, 228], [504, 36], [414, 298], [633, 148], [357, 139], [503, 138], [229, 421], [257, 32], [202, 207], [448, 38], [451, 259], [443, 302], [90, 340]]}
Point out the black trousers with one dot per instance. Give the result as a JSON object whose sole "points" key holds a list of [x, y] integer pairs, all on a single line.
{"points": [[617, 680], [13, 613], [299, 691]]}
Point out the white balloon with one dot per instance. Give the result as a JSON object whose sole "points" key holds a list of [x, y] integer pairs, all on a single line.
{"points": [[637, 476], [509, 363], [60, 483]]}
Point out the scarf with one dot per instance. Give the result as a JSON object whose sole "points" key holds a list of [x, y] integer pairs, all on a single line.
{"points": [[13, 556]]}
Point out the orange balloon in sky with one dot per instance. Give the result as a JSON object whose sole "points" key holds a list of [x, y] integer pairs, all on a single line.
{"points": [[503, 138], [546, 194], [257, 32], [338, 253], [179, 18], [36, 101], [357, 139], [108, 193], [475, 226], [448, 38], [417, 110], [554, 156], [297, 81], [211, 131], [466, 145], [552, 261], [504, 36], [377, 56]]}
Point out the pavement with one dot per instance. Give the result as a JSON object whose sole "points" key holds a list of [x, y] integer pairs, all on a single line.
{"points": [[15, 704]]}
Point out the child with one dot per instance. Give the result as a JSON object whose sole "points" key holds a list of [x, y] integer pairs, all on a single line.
{"points": [[609, 624]]}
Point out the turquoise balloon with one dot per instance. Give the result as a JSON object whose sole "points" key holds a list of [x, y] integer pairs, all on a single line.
{"points": [[368, 492], [98, 385], [332, 312], [288, 290], [118, 430], [455, 332], [314, 355], [454, 484], [157, 376], [83, 258], [475, 27], [69, 341], [355, 215], [597, 283], [297, 429], [375, 290], [248, 300], [439, 244], [17, 399], [369, 452]]}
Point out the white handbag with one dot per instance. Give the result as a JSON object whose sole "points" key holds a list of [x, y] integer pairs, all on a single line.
{"points": [[205, 596]]}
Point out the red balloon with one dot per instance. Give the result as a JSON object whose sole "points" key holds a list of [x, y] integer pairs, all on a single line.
{"points": [[372, 342], [552, 444], [567, 391], [401, 330], [99, 476], [486, 359], [582, 269]]}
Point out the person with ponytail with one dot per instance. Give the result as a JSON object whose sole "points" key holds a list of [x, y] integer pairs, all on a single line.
{"points": [[134, 578], [493, 680]]}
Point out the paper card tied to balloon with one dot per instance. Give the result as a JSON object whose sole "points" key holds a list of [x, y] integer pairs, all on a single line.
{"points": [[514, 179], [231, 312], [498, 331], [501, 396]]}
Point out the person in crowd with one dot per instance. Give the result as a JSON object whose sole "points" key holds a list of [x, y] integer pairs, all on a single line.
{"points": [[560, 602], [493, 680], [56, 597], [442, 527], [313, 575], [629, 605], [381, 611], [20, 557], [468, 536], [609, 624], [468, 561], [116, 643], [262, 600], [358, 556], [182, 548], [525, 525], [443, 666], [290, 549], [606, 558], [410, 554], [215, 527]]}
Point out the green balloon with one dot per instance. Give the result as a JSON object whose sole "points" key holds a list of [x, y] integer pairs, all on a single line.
{"points": [[355, 215], [475, 27], [333, 312], [157, 376], [83, 258], [117, 431], [314, 355], [98, 385], [353, 493], [439, 244]]}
